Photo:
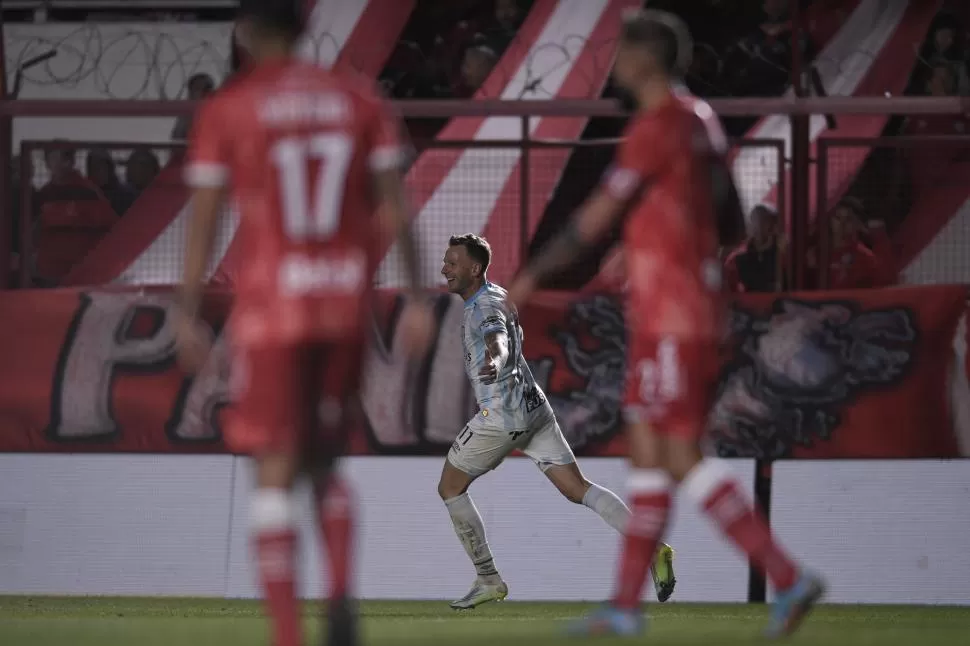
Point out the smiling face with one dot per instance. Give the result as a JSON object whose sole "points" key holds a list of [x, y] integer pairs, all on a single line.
{"points": [[462, 273]]}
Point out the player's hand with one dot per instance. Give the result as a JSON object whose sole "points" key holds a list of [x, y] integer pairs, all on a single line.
{"points": [[521, 289], [193, 341], [489, 372], [417, 327]]}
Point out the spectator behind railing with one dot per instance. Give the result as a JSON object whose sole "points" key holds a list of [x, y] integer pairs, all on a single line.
{"points": [[758, 264], [945, 48], [761, 60], [103, 172], [141, 168], [749, 56], [431, 59], [861, 255], [476, 65], [72, 216], [921, 165], [198, 87], [508, 19]]}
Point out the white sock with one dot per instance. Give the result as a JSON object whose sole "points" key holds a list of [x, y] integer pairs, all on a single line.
{"points": [[471, 532], [608, 505], [273, 516], [271, 510]]}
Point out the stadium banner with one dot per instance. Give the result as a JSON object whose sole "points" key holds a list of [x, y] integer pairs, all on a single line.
{"points": [[865, 374]]}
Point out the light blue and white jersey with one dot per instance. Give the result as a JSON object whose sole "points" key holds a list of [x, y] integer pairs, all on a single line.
{"points": [[513, 401]]}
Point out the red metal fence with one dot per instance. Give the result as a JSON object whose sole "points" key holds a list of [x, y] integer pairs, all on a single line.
{"points": [[916, 187], [788, 167]]}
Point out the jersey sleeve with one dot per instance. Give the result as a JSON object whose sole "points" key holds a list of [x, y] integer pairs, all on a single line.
{"points": [[491, 319], [210, 149], [638, 161]]}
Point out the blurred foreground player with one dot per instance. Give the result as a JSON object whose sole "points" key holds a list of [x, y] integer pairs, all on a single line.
{"points": [[309, 157], [671, 173], [513, 414]]}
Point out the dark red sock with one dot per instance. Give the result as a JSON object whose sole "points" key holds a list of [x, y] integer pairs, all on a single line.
{"points": [[746, 527], [275, 554], [648, 520], [337, 529]]}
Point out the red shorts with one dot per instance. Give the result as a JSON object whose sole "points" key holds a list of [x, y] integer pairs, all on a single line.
{"points": [[300, 398], [671, 384]]}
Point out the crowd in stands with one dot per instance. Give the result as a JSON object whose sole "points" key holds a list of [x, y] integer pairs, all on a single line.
{"points": [[448, 49], [943, 69], [860, 251], [742, 48], [739, 50], [74, 209]]}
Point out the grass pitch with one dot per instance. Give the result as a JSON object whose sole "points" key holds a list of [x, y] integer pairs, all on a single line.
{"points": [[101, 621]]}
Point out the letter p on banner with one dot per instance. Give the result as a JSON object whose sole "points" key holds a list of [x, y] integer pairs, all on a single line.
{"points": [[110, 334]]}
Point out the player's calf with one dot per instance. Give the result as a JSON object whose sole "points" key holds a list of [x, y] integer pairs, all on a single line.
{"points": [[470, 529], [335, 511], [714, 488], [273, 522], [570, 481]]}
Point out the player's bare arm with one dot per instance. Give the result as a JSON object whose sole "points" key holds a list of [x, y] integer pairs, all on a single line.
{"points": [[497, 344], [394, 219], [206, 204], [193, 343], [593, 222], [416, 320]]}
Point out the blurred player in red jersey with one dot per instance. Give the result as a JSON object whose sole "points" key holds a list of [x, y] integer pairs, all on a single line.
{"points": [[312, 162], [671, 177]]}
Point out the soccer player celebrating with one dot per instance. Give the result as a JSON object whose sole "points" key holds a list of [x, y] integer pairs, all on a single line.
{"points": [[308, 157], [513, 414], [671, 174]]}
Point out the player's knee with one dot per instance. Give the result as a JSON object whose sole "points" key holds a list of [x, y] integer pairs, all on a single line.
{"points": [[569, 480], [443, 490], [276, 470], [682, 457], [450, 486], [577, 492], [646, 451]]}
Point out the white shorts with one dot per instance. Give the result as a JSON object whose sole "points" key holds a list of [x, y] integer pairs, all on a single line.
{"points": [[481, 446]]}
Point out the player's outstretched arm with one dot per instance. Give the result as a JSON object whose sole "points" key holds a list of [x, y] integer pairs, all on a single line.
{"points": [[417, 321], [192, 338], [394, 221], [207, 173], [588, 226], [206, 206]]}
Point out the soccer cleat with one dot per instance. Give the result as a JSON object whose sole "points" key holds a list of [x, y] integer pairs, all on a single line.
{"points": [[663, 572], [481, 593], [608, 620], [792, 605], [342, 624]]}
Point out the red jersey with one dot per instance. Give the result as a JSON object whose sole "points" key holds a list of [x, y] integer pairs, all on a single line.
{"points": [[297, 146], [666, 168], [854, 266]]}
